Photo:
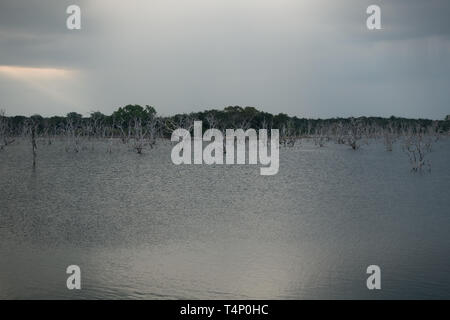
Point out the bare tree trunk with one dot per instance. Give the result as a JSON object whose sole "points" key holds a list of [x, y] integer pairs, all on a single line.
{"points": [[33, 143], [416, 145], [4, 131]]}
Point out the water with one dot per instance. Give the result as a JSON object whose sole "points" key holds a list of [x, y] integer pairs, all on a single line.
{"points": [[140, 227]]}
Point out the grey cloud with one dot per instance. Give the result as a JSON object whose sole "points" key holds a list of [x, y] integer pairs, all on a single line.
{"points": [[306, 58]]}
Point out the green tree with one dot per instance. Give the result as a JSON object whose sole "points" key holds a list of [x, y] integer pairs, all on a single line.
{"points": [[125, 115], [74, 117]]}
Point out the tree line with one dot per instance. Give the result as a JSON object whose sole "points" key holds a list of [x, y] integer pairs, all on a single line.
{"points": [[140, 127], [124, 119]]}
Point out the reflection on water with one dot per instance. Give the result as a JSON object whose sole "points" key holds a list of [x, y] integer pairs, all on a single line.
{"points": [[141, 227]]}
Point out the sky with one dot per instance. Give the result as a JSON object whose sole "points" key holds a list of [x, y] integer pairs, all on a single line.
{"points": [[308, 58]]}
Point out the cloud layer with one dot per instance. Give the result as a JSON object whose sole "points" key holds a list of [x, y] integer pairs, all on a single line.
{"points": [[305, 58]]}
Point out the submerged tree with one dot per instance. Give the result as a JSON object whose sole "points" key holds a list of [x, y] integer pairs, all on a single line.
{"points": [[4, 130], [73, 133], [288, 134], [389, 136], [139, 127], [144, 133], [30, 130], [417, 144], [321, 135], [354, 133]]}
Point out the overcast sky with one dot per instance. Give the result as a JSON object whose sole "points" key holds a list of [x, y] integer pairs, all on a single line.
{"points": [[310, 58]]}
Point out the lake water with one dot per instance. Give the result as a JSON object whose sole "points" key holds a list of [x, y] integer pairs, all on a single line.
{"points": [[140, 227]]}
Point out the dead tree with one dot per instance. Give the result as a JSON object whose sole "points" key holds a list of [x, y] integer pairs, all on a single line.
{"points": [[4, 131], [111, 137], [139, 134], [72, 133], [33, 143], [125, 136], [145, 133], [320, 136], [47, 135], [288, 134], [389, 136], [185, 121], [354, 133], [30, 130], [153, 130], [341, 133], [417, 144], [212, 121], [434, 133]]}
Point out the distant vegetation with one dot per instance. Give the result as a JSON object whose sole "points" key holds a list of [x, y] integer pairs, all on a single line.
{"points": [[140, 127], [230, 117]]}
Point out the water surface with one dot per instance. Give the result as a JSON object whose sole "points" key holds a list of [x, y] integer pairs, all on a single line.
{"points": [[140, 227]]}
